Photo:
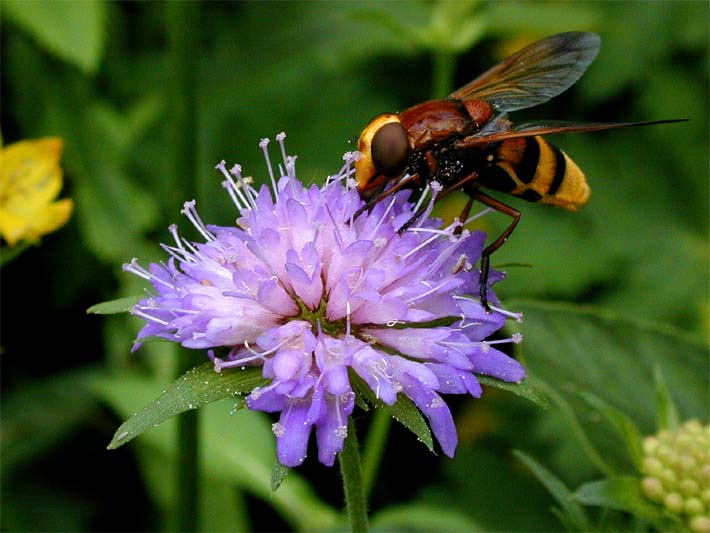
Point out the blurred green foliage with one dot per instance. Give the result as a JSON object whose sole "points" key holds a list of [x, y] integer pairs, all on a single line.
{"points": [[631, 267]]}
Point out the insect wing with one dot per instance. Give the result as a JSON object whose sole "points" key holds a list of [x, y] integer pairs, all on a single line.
{"points": [[548, 127], [534, 74]]}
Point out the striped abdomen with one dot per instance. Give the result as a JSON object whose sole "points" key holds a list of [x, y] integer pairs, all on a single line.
{"points": [[533, 169]]}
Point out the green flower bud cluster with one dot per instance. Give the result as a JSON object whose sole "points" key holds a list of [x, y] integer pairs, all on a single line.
{"points": [[676, 466]]}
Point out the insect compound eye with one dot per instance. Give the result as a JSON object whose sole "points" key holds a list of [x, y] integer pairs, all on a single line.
{"points": [[390, 148]]}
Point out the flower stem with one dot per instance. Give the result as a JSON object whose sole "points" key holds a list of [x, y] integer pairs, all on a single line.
{"points": [[374, 447], [188, 471], [183, 25], [351, 471]]}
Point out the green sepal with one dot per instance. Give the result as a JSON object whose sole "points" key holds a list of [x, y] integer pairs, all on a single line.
{"points": [[278, 474], [403, 410], [112, 307], [526, 388], [195, 388], [571, 513]]}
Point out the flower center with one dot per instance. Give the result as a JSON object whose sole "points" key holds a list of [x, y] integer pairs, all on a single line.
{"points": [[317, 318]]}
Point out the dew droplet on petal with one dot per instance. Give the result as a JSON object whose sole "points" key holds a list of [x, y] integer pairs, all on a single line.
{"points": [[341, 432], [437, 402], [278, 429]]}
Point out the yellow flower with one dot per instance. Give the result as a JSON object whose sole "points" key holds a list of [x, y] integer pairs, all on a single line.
{"points": [[30, 180]]}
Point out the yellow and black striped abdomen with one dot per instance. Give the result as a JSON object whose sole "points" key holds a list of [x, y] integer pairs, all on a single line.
{"points": [[533, 169]]}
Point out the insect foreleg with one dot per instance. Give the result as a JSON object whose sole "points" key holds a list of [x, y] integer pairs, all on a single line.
{"points": [[488, 250], [384, 194], [440, 196]]}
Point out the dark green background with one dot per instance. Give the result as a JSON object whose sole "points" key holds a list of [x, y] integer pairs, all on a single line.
{"points": [[614, 291]]}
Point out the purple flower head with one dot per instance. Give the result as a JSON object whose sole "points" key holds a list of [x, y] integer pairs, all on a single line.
{"points": [[307, 291]]}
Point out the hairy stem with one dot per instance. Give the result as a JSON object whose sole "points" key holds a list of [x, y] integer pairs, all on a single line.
{"points": [[351, 472]]}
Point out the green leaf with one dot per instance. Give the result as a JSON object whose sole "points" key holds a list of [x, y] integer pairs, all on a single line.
{"points": [[621, 493], [623, 425], [74, 31], [526, 389], [407, 414], [667, 417], [278, 474], [422, 517], [237, 448], [38, 416], [576, 429], [490, 487], [573, 512], [403, 410], [112, 307], [577, 348], [197, 387], [512, 19]]}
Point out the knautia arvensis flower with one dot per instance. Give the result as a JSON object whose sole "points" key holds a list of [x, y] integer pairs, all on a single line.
{"points": [[304, 289], [676, 466]]}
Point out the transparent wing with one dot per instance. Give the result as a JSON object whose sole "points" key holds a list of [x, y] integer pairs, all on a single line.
{"points": [[547, 127], [534, 74]]}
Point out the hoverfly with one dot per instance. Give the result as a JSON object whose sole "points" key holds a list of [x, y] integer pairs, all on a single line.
{"points": [[465, 141]]}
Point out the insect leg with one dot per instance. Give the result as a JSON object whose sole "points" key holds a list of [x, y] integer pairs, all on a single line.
{"points": [[464, 215], [488, 250], [384, 194], [440, 196]]}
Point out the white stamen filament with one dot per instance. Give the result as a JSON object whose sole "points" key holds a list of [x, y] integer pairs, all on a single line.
{"points": [[436, 235], [235, 194], [445, 254], [135, 268], [232, 188], [180, 254], [430, 291], [138, 312], [189, 210], [383, 217], [264, 147], [248, 191], [478, 215], [336, 229], [516, 338], [347, 318], [424, 194], [517, 316]]}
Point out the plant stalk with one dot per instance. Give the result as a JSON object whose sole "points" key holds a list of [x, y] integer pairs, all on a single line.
{"points": [[351, 471], [183, 35], [374, 448]]}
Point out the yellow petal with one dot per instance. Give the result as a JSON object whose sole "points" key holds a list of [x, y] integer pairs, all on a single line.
{"points": [[12, 227], [54, 216], [30, 179], [30, 174]]}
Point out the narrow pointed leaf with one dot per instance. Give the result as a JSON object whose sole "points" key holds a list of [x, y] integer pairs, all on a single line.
{"points": [[526, 388], [407, 414], [667, 416], [278, 474], [403, 410], [578, 430], [197, 387], [622, 423], [112, 307], [573, 512]]}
